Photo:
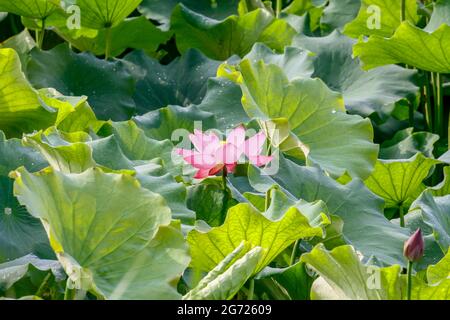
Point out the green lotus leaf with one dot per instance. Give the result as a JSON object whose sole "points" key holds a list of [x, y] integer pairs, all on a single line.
{"points": [[300, 7], [126, 149], [220, 40], [365, 226], [295, 62], [162, 10], [182, 82], [210, 201], [423, 291], [338, 13], [74, 113], [166, 122], [388, 13], [22, 43], [344, 277], [105, 14], [227, 278], [13, 271], [223, 99], [436, 285], [364, 92], [435, 215], [119, 249], [67, 153], [311, 119], [400, 182], [294, 279], [443, 188], [406, 144], [36, 9], [440, 271], [244, 223], [20, 233], [134, 33], [421, 48], [108, 84], [20, 108], [156, 179]]}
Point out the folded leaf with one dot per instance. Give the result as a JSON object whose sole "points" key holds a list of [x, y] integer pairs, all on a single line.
{"points": [[245, 223], [225, 280]]}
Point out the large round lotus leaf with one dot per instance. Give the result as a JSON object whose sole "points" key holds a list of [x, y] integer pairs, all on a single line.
{"points": [[308, 116], [364, 92], [36, 9], [162, 10], [108, 84], [20, 233], [235, 35], [20, 108], [120, 249], [380, 17], [365, 225], [425, 49], [105, 13], [182, 82]]}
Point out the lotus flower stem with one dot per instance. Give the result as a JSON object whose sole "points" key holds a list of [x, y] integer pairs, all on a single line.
{"points": [[429, 108], [251, 290], [440, 104], [409, 285], [40, 35], [13, 24], [279, 7], [411, 114], [403, 16], [402, 216], [224, 178], [268, 199], [108, 43], [294, 253], [413, 250], [69, 294], [41, 288]]}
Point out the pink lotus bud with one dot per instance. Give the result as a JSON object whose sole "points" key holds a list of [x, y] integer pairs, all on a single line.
{"points": [[414, 247]]}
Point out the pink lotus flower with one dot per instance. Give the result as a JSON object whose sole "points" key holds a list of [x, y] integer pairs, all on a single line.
{"points": [[212, 155], [414, 247]]}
